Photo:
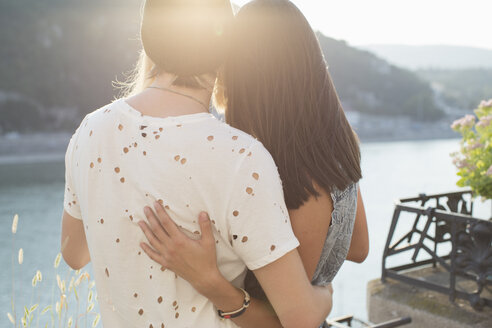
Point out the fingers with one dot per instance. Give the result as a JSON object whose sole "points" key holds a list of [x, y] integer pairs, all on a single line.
{"points": [[154, 241], [154, 255], [206, 228], [155, 224], [164, 219]]}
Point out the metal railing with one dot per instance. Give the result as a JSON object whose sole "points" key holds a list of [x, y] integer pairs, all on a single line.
{"points": [[346, 321], [450, 216]]}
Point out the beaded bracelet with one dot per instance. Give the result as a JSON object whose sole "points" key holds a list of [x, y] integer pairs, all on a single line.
{"points": [[237, 313]]}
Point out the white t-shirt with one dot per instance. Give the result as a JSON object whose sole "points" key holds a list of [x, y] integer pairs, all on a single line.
{"points": [[119, 160]]}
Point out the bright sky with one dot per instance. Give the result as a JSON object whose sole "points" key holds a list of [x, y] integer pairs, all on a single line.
{"points": [[409, 22]]}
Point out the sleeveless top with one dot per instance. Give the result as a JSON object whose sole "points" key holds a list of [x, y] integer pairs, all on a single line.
{"points": [[336, 245], [339, 235]]}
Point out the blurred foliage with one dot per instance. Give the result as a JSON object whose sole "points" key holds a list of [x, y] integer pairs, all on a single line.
{"points": [[63, 55], [461, 88], [66, 53], [474, 160], [72, 303]]}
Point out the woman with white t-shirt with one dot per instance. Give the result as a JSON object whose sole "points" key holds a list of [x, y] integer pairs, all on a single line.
{"points": [[162, 148]]}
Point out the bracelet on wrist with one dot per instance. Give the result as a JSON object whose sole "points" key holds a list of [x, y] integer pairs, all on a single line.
{"points": [[238, 312]]}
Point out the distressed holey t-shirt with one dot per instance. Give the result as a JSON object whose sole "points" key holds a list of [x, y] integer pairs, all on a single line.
{"points": [[119, 160]]}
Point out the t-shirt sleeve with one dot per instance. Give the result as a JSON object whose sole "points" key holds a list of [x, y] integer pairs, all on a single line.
{"points": [[70, 202], [260, 228]]}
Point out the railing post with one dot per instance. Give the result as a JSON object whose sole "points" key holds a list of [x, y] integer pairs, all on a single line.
{"points": [[452, 274], [396, 215]]}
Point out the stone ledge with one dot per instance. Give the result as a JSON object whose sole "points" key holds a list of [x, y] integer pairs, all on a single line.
{"points": [[394, 299]]}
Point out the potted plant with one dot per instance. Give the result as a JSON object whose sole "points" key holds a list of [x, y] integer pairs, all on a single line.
{"points": [[474, 160]]}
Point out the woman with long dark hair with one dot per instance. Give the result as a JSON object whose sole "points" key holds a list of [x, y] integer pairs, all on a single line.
{"points": [[275, 85], [161, 147]]}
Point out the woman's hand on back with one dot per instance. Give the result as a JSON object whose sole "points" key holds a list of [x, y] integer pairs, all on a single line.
{"points": [[196, 262], [193, 260]]}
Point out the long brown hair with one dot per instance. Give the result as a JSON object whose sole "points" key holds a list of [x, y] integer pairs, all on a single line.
{"points": [[278, 89]]}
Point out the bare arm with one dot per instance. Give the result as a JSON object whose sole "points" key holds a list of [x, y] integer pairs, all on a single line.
{"points": [[73, 242], [296, 302], [229, 298], [359, 245], [310, 224]]}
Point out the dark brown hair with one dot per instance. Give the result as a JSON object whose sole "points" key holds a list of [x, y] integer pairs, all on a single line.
{"points": [[278, 89]]}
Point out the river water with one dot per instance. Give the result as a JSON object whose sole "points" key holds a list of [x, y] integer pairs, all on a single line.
{"points": [[391, 170]]}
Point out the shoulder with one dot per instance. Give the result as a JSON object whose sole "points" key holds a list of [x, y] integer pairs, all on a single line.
{"points": [[100, 116], [103, 112]]}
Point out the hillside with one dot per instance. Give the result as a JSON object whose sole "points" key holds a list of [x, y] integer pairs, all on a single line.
{"points": [[371, 85], [59, 57], [433, 56], [464, 88]]}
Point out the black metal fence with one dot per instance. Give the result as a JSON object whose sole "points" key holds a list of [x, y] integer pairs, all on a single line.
{"points": [[346, 321], [437, 220]]}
